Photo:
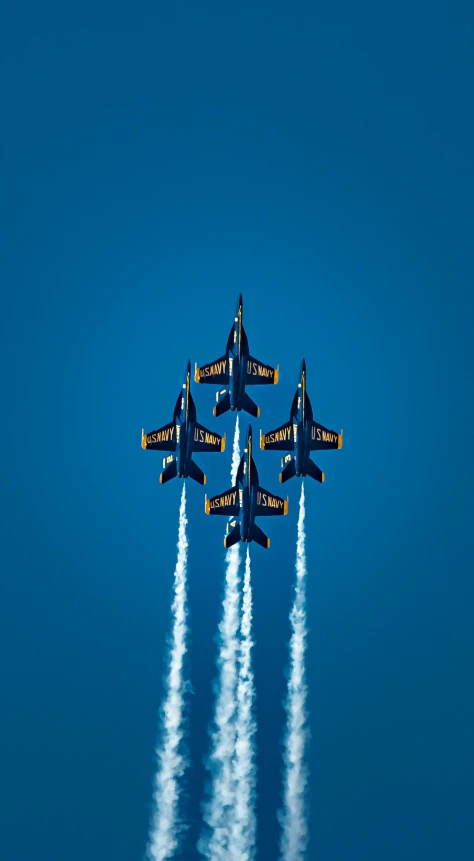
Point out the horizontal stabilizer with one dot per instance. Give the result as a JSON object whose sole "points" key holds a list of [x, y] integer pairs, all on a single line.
{"points": [[315, 472], [260, 538], [250, 406], [222, 406], [233, 535], [195, 473], [170, 472], [289, 470]]}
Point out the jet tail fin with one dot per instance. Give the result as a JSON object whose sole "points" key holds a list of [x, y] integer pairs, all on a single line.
{"points": [[233, 534], [170, 472], [315, 472], [195, 473], [250, 406], [289, 470], [223, 405], [260, 538]]}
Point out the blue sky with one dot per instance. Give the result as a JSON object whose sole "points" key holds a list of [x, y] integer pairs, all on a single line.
{"points": [[155, 164]]}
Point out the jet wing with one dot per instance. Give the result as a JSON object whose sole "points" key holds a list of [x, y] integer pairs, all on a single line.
{"points": [[205, 440], [163, 439], [216, 373], [259, 374], [268, 504], [280, 439], [227, 503], [322, 438]]}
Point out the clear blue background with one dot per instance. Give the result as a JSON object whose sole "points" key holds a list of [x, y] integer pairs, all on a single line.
{"points": [[156, 161]]}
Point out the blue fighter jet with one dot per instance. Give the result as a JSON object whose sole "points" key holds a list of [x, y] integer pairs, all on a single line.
{"points": [[236, 369], [183, 436], [301, 435], [244, 502]]}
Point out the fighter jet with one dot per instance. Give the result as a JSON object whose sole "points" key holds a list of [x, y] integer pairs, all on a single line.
{"points": [[244, 502], [236, 369], [301, 435], [183, 436]]}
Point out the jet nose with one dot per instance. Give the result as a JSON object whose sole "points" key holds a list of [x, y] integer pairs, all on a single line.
{"points": [[249, 432], [240, 303], [303, 367], [188, 367]]}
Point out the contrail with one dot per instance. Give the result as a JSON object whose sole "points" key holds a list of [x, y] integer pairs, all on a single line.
{"points": [[244, 824], [166, 826], [218, 809], [293, 817], [235, 454]]}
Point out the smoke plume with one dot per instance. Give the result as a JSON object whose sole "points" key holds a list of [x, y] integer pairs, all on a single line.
{"points": [[219, 807], [166, 826], [293, 816], [244, 824]]}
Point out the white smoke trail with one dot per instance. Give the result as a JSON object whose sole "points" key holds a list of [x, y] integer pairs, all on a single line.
{"points": [[218, 810], [235, 453], [165, 825], [244, 824], [293, 817]]}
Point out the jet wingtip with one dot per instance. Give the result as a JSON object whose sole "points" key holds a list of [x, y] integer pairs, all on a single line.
{"points": [[223, 441], [285, 506], [276, 376], [281, 478], [262, 441], [268, 543], [207, 505], [339, 440], [204, 479], [161, 478], [196, 373], [143, 439], [214, 412], [322, 477]]}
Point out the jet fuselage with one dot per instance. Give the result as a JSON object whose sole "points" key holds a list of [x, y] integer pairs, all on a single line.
{"points": [[238, 358], [248, 484], [302, 419], [235, 371], [185, 418]]}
